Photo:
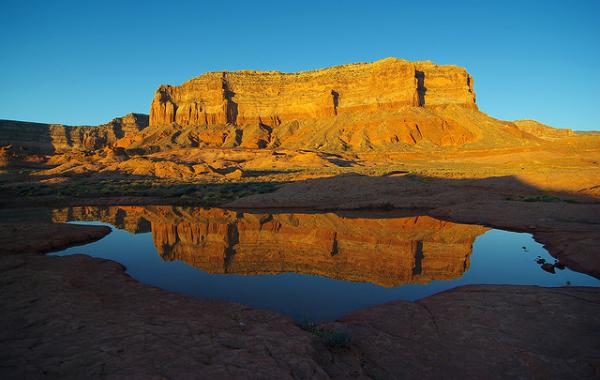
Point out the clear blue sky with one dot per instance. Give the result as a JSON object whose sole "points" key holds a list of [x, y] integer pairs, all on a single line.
{"points": [[85, 62]]}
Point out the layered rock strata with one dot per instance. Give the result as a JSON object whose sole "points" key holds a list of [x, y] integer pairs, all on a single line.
{"points": [[271, 98], [386, 104], [542, 130], [53, 138]]}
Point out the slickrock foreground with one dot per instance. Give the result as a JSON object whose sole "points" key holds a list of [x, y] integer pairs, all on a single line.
{"points": [[79, 317]]}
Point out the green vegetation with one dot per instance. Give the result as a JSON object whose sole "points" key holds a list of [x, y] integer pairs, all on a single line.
{"points": [[337, 338], [206, 194], [541, 198]]}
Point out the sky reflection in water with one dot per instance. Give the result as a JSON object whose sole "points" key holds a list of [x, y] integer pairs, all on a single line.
{"points": [[343, 275]]}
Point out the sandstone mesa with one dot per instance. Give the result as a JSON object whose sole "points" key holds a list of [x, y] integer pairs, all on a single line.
{"points": [[387, 105]]}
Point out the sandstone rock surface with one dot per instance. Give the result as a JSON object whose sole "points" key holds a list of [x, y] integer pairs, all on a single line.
{"points": [[75, 317], [542, 130], [482, 332], [387, 104], [272, 98], [45, 237], [79, 317]]}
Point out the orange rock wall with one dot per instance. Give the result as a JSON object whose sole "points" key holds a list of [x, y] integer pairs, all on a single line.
{"points": [[271, 98]]}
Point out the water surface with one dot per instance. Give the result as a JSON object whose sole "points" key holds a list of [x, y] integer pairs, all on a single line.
{"points": [[312, 266]]}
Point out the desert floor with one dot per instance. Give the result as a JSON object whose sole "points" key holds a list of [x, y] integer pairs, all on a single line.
{"points": [[82, 317]]}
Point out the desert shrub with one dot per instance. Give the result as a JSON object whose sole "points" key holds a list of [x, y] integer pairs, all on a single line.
{"points": [[541, 198], [337, 338]]}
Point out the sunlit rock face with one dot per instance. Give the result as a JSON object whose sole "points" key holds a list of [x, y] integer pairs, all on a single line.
{"points": [[270, 98], [364, 105], [387, 251]]}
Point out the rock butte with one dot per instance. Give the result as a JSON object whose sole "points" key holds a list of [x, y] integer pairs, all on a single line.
{"points": [[273, 98], [387, 252], [387, 105]]}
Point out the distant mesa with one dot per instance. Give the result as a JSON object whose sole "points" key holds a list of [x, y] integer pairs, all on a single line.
{"points": [[384, 251], [52, 138], [387, 105]]}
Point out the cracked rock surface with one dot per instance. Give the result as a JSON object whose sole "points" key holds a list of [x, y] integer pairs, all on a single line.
{"points": [[81, 317]]}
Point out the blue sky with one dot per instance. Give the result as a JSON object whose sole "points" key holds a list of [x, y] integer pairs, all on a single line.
{"points": [[85, 62]]}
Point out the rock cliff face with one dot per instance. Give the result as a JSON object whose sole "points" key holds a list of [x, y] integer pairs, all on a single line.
{"points": [[271, 98], [364, 106], [384, 251], [52, 138], [387, 106]]}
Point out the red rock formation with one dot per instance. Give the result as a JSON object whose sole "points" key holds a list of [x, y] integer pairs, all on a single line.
{"points": [[52, 138], [541, 130], [272, 98]]}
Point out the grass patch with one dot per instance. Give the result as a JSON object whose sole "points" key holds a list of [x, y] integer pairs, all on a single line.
{"points": [[336, 339], [204, 194], [541, 198]]}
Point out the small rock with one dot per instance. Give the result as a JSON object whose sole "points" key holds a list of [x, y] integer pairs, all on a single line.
{"points": [[548, 267]]}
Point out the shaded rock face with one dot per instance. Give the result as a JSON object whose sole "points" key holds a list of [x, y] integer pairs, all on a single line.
{"points": [[348, 95], [52, 138], [385, 251]]}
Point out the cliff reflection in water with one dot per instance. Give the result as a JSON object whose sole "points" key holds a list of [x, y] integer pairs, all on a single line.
{"points": [[387, 251]]}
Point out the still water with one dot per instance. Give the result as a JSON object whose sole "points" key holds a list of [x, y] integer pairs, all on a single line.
{"points": [[311, 266]]}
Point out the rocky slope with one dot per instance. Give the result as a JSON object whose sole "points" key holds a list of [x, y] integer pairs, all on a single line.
{"points": [[53, 138], [542, 130]]}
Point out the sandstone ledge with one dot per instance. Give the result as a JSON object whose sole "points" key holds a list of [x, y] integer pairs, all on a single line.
{"points": [[80, 317], [44, 237]]}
